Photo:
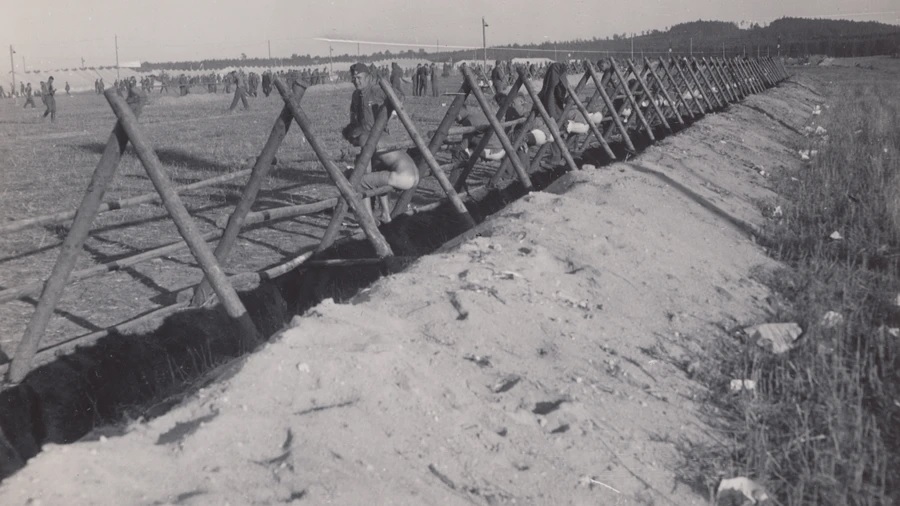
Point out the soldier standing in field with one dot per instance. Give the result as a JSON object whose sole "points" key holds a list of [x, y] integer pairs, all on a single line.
{"points": [[240, 90], [29, 96], [50, 101], [43, 93], [267, 82], [434, 81], [498, 79], [68, 88], [397, 80]]}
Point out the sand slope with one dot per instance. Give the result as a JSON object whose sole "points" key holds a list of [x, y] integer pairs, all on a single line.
{"points": [[538, 362]]}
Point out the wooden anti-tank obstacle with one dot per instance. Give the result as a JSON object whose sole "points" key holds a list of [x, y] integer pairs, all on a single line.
{"points": [[655, 93]]}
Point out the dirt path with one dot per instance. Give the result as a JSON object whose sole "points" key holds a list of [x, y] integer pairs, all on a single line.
{"points": [[542, 361]]}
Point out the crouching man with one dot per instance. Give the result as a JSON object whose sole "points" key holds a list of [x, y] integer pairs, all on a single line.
{"points": [[387, 168]]}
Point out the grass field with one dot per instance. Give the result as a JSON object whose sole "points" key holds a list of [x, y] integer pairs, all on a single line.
{"points": [[46, 167], [824, 424]]}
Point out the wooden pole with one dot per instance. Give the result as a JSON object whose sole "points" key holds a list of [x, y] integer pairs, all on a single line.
{"points": [[690, 88], [731, 79], [635, 104], [672, 104], [488, 135], [359, 171], [550, 122], [366, 221], [617, 121], [112, 205], [760, 78], [703, 92], [745, 76], [749, 81], [709, 87], [258, 175], [434, 145], [425, 152], [519, 137], [498, 130], [183, 221], [738, 83], [676, 87], [716, 72], [587, 119], [72, 246]]}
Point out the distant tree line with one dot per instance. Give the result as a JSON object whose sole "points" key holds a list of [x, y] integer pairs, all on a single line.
{"points": [[790, 37]]}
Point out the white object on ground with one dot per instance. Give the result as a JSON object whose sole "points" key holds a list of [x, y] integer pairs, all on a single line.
{"points": [[778, 337], [832, 319], [741, 490], [835, 236], [742, 384]]}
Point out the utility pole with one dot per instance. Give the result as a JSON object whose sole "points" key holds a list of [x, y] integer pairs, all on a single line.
{"points": [[82, 62], [484, 41], [330, 61], [117, 57], [270, 48], [632, 45], [357, 49], [12, 66]]}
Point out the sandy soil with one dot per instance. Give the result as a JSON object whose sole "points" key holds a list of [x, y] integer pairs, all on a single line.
{"points": [[539, 361]]}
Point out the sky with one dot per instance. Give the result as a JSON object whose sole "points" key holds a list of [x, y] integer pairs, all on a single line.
{"points": [[54, 34]]}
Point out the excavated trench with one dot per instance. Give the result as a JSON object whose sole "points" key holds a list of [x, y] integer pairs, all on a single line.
{"points": [[127, 377]]}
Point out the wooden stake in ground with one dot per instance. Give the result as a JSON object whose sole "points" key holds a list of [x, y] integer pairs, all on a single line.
{"points": [[635, 106], [260, 170], [676, 87], [359, 171], [670, 103], [498, 129], [72, 246], [550, 122], [486, 138], [710, 89], [703, 92], [616, 119], [185, 224], [366, 221], [425, 152], [584, 112], [437, 139]]}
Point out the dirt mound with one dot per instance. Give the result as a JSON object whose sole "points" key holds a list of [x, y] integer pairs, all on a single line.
{"points": [[542, 360]]}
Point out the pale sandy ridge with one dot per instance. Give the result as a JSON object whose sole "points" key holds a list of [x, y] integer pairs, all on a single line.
{"points": [[538, 363]]}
